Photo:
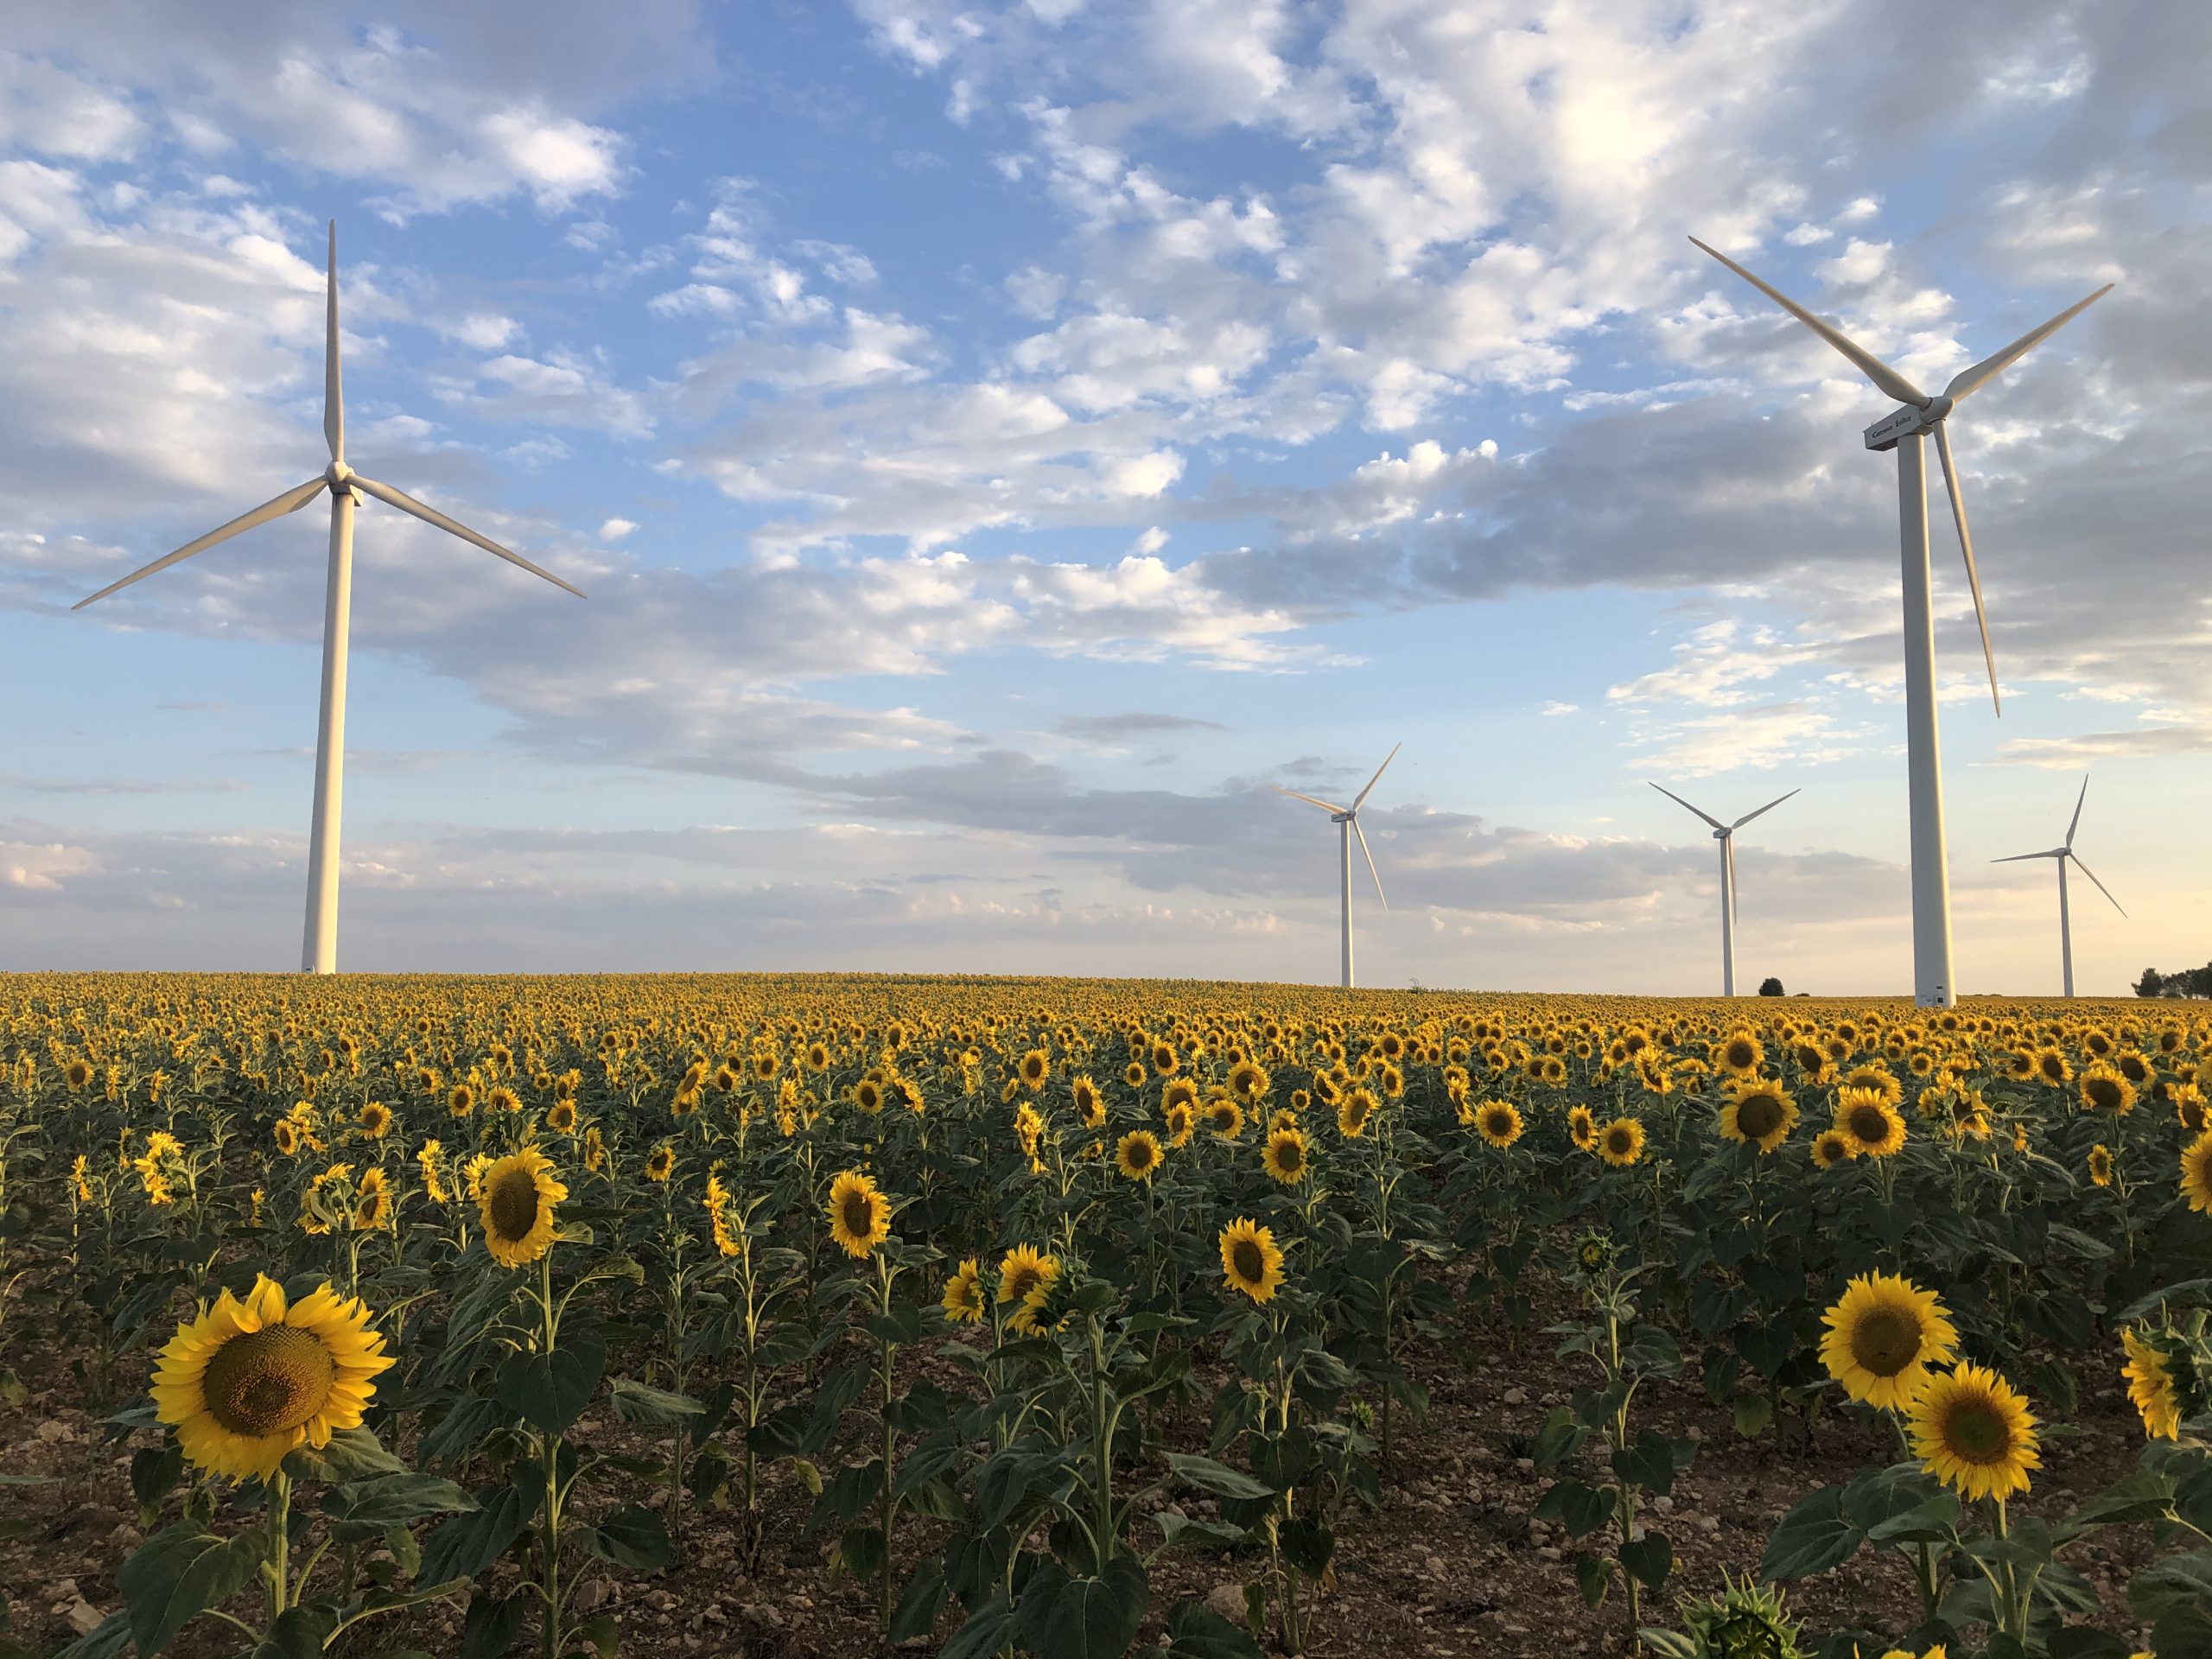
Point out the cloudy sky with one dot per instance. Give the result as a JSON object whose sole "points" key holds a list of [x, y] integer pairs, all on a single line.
{"points": [[1000, 441]]}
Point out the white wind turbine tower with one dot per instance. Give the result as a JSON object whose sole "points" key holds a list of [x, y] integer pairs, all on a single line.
{"points": [[319, 953], [1726, 835], [1904, 430], [1347, 821], [2064, 854]]}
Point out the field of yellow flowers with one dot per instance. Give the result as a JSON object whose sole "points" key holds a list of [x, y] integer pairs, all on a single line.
{"points": [[776, 1315]]}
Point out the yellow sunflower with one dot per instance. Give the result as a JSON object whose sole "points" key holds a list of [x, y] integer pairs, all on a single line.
{"points": [[1249, 1259], [1284, 1155], [2101, 1165], [1874, 1126], [518, 1196], [2196, 1173], [1498, 1122], [1620, 1142], [372, 1201], [376, 1120], [860, 1216], [1884, 1334], [1225, 1117], [660, 1162], [2151, 1389], [1757, 1114], [963, 1294], [1739, 1055], [561, 1118], [1027, 1277], [1582, 1127], [1355, 1111], [1138, 1156], [1831, 1147], [1089, 1105], [2103, 1089], [1036, 1066], [1973, 1431], [247, 1381]]}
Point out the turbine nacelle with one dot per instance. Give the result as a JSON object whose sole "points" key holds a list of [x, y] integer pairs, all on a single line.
{"points": [[1905, 420]]}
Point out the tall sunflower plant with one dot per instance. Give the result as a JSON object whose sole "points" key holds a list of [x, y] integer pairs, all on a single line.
{"points": [[261, 1394]]}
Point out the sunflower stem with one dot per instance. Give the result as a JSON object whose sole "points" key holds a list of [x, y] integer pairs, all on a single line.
{"points": [[280, 1514]]}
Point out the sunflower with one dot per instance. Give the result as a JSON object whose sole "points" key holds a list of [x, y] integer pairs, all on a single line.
{"points": [[247, 1381], [1133, 1074], [1973, 1431], [1831, 1147], [1873, 1126], [1225, 1117], [1138, 1155], [1355, 1111], [2051, 1067], [1620, 1142], [860, 1216], [376, 1121], [561, 1117], [1249, 1259], [2101, 1165], [1878, 1078], [2103, 1089], [2196, 1173], [1027, 1277], [1182, 1122], [2150, 1389], [660, 1162], [1498, 1122], [1247, 1081], [287, 1136], [1036, 1066], [1757, 1114], [1582, 1127], [1739, 1055], [963, 1294], [868, 1095], [503, 1099], [372, 1201], [78, 1075], [1165, 1060], [461, 1100], [1884, 1334], [1089, 1105], [1284, 1155], [518, 1197]]}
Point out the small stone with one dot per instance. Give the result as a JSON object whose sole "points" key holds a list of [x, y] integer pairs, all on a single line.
{"points": [[1549, 1552], [1664, 1504], [53, 1433], [1515, 1396], [83, 1616], [1435, 1566], [1228, 1601], [1526, 1465]]}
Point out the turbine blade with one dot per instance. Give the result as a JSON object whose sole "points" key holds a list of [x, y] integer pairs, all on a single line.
{"points": [[1679, 801], [1370, 863], [1966, 546], [2016, 857], [1966, 382], [2076, 824], [1868, 365], [334, 401], [407, 503], [1360, 799], [290, 501], [1315, 800], [2092, 875], [1769, 807]]}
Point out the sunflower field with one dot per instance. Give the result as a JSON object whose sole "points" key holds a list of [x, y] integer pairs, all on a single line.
{"points": [[783, 1315]]}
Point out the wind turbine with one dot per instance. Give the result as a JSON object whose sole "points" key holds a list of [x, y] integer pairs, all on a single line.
{"points": [[1726, 835], [2064, 854], [1347, 821], [1904, 430], [319, 953]]}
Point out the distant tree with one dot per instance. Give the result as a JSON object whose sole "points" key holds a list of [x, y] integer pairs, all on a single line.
{"points": [[2153, 983], [1771, 987], [2189, 981]]}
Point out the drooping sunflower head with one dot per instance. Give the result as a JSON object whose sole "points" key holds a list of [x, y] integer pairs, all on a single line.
{"points": [[660, 1162], [1973, 1431], [1089, 1105], [1593, 1252], [77, 1076], [860, 1216], [1138, 1156], [1283, 1157], [1620, 1142], [2157, 1360], [518, 1197], [2101, 1165], [372, 1201], [247, 1381], [1026, 1277], [1498, 1122], [963, 1294], [1874, 1126], [1250, 1259], [1884, 1335]]}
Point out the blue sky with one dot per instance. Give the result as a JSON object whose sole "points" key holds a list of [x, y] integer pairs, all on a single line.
{"points": [[1001, 441]]}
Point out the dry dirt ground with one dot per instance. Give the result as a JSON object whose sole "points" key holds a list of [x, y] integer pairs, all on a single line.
{"points": [[1450, 1565]]}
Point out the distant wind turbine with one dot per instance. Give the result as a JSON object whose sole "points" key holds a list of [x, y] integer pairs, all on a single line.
{"points": [[319, 953], [1904, 430], [1726, 835], [2064, 854], [1347, 822]]}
